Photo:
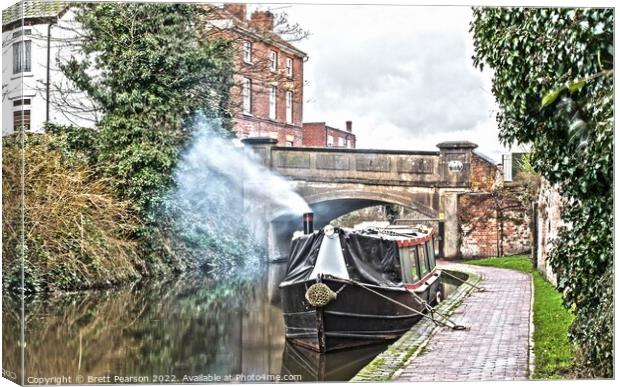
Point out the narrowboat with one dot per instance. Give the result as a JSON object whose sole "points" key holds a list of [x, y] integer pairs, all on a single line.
{"points": [[349, 288]]}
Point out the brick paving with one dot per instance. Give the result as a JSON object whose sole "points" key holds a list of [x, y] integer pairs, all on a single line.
{"points": [[497, 344]]}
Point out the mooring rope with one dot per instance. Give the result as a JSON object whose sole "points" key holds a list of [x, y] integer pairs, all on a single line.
{"points": [[480, 289], [454, 326]]}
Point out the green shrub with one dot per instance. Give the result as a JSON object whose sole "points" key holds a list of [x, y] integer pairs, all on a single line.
{"points": [[553, 79]]}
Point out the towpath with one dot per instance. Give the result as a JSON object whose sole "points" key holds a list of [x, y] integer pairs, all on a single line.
{"points": [[497, 344]]}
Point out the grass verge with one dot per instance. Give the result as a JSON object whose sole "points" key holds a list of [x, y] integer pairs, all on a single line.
{"points": [[552, 349]]}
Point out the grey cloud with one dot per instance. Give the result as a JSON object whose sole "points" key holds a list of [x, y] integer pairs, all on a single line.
{"points": [[417, 82]]}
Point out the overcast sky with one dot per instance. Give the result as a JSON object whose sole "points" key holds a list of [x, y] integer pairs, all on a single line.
{"points": [[402, 74]]}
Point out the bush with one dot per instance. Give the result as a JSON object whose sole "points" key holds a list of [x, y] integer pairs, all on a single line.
{"points": [[553, 79], [75, 233]]}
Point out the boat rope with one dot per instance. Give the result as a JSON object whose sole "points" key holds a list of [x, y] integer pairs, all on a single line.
{"points": [[429, 308], [454, 325], [341, 288], [480, 289]]}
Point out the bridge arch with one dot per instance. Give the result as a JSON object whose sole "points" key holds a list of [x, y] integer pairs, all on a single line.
{"points": [[328, 205]]}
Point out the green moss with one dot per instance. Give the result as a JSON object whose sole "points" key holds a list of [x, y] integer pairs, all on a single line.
{"points": [[373, 371], [552, 350]]}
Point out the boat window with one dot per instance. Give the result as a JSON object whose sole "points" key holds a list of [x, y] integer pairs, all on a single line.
{"points": [[422, 260], [415, 273], [430, 251], [409, 264]]}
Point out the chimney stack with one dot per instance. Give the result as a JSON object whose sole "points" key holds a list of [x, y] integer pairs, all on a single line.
{"points": [[349, 126], [262, 20], [237, 10]]}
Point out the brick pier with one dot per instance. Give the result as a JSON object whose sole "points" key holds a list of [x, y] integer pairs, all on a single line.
{"points": [[497, 344]]}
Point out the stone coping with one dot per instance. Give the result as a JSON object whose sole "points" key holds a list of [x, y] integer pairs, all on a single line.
{"points": [[390, 363]]}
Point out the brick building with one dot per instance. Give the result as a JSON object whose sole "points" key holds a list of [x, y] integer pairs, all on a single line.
{"points": [[318, 134], [267, 96]]}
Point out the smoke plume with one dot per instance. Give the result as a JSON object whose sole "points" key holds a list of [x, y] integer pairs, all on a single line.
{"points": [[217, 184]]}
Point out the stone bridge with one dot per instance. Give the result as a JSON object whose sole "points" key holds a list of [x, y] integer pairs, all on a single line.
{"points": [[336, 181]]}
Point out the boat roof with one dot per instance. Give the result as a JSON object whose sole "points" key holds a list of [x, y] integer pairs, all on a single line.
{"points": [[370, 256], [404, 236]]}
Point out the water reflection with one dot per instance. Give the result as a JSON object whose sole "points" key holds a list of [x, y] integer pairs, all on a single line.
{"points": [[194, 325], [313, 366]]}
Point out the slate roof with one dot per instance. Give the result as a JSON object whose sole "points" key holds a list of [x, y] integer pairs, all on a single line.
{"points": [[33, 9]]}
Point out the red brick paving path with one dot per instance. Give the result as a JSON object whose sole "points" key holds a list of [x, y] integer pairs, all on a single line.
{"points": [[496, 345]]}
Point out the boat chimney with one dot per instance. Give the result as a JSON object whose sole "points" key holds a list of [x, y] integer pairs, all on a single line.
{"points": [[308, 223]]}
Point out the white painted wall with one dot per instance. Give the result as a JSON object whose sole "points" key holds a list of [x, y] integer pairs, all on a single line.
{"points": [[67, 105]]}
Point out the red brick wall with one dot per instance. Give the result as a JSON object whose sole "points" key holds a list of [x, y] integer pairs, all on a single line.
{"points": [[483, 173], [344, 135], [315, 134], [248, 126], [259, 123], [487, 232], [259, 72]]}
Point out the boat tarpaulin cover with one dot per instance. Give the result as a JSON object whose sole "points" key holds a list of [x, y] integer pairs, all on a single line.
{"points": [[303, 255], [369, 259]]}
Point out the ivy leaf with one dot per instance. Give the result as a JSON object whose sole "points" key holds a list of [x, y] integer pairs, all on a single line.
{"points": [[599, 29], [577, 85], [550, 97]]}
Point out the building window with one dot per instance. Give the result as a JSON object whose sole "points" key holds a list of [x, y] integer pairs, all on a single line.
{"points": [[272, 102], [289, 67], [273, 60], [289, 143], [349, 143], [247, 52], [22, 32], [289, 107], [21, 57], [20, 102], [247, 96], [21, 118], [330, 140], [341, 141]]}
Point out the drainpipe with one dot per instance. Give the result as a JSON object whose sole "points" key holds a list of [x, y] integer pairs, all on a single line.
{"points": [[47, 86], [326, 136]]}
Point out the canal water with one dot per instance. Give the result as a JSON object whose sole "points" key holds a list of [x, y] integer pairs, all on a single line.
{"points": [[190, 329]]}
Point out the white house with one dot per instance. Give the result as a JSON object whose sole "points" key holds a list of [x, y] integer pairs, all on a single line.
{"points": [[36, 35]]}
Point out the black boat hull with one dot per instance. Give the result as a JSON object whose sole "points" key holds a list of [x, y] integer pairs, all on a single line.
{"points": [[360, 315]]}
